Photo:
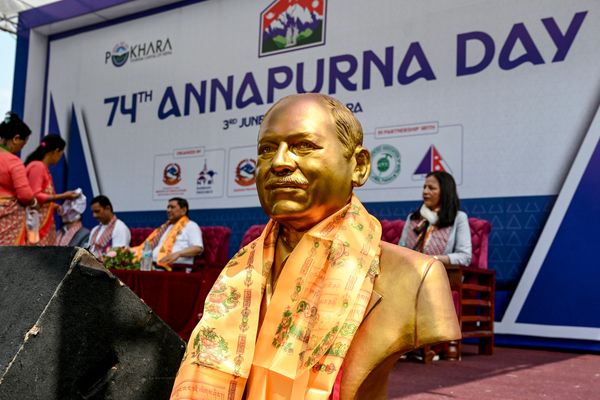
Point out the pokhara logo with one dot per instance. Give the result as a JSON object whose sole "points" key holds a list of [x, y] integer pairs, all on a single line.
{"points": [[119, 54], [245, 172], [122, 52], [287, 25], [172, 174]]}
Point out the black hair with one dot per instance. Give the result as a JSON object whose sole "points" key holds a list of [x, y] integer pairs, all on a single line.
{"points": [[12, 126], [449, 201], [49, 143], [103, 201], [183, 203]]}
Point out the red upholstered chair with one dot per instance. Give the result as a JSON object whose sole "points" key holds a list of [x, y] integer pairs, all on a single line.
{"points": [[138, 235], [252, 233], [216, 246], [480, 231], [391, 230]]}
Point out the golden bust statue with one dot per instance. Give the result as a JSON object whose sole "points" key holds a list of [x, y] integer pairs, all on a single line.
{"points": [[318, 306]]}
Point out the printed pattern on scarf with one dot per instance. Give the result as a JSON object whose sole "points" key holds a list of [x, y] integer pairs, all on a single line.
{"points": [[12, 223], [318, 304], [100, 245], [436, 239], [155, 236], [64, 237]]}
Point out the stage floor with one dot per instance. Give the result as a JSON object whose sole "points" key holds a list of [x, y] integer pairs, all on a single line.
{"points": [[508, 374]]}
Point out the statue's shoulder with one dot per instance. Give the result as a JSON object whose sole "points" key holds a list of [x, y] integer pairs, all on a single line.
{"points": [[397, 261], [391, 324], [401, 273]]}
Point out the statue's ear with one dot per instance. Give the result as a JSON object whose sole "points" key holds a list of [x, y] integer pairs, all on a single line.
{"points": [[363, 166]]}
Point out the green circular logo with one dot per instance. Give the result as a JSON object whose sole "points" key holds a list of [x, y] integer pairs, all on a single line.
{"points": [[385, 164]]}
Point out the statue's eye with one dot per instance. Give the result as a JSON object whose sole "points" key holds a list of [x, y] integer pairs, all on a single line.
{"points": [[303, 146], [264, 149]]}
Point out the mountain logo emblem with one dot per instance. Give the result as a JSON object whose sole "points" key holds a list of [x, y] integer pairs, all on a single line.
{"points": [[431, 162], [287, 25]]}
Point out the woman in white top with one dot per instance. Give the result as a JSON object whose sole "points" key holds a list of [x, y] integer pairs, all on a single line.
{"points": [[438, 228]]}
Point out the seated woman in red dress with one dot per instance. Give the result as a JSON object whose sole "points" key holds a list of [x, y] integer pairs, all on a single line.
{"points": [[48, 153]]}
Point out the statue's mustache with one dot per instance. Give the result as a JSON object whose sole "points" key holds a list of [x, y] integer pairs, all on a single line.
{"points": [[286, 181]]}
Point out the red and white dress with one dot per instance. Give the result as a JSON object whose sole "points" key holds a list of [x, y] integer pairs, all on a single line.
{"points": [[14, 192]]}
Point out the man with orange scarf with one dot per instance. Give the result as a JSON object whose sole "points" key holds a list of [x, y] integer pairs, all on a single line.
{"points": [[177, 241], [318, 306]]}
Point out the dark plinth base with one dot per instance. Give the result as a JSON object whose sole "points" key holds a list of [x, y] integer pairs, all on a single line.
{"points": [[70, 330]]}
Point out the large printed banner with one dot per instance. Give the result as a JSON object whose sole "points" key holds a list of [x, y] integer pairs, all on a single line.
{"points": [[498, 93]]}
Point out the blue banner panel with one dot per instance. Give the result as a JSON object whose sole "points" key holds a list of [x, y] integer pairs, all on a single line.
{"points": [[565, 291], [78, 175]]}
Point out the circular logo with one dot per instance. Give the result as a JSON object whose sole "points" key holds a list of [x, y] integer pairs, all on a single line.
{"points": [[120, 54], [385, 164], [245, 172], [172, 174]]}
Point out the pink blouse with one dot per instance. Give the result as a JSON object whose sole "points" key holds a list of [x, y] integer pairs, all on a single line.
{"points": [[13, 178], [39, 179]]}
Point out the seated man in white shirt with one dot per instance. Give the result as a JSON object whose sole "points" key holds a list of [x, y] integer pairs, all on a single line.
{"points": [[111, 232], [177, 241]]}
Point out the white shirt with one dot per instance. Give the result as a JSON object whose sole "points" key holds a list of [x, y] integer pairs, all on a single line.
{"points": [[190, 235], [121, 236]]}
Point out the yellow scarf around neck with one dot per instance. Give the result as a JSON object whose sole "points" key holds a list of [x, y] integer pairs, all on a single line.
{"points": [[315, 310]]}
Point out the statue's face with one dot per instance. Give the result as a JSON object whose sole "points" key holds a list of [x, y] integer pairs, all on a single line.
{"points": [[303, 175]]}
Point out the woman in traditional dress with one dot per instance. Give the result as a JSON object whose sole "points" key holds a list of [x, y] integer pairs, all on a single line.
{"points": [[48, 153], [15, 191], [438, 228]]}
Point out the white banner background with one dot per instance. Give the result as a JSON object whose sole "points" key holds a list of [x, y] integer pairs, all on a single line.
{"points": [[501, 132]]}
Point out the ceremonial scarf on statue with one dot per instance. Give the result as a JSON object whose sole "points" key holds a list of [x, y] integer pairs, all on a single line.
{"points": [[319, 302], [424, 236], [167, 244], [102, 243]]}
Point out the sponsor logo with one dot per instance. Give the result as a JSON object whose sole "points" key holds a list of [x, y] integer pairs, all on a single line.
{"points": [[205, 180], [172, 174], [385, 164], [432, 161], [119, 54], [123, 52], [245, 172], [292, 24]]}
